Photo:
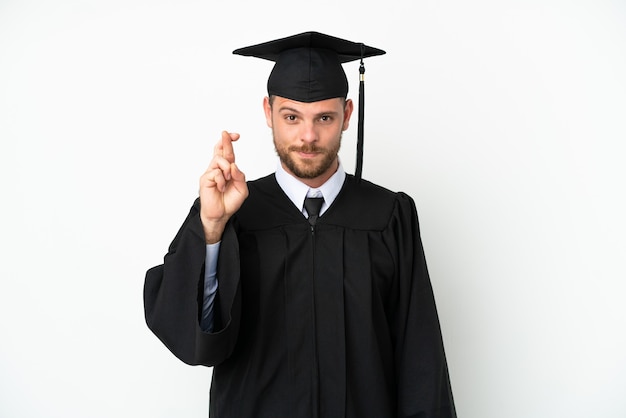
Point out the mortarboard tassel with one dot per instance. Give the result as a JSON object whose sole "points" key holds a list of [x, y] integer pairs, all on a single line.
{"points": [[359, 144]]}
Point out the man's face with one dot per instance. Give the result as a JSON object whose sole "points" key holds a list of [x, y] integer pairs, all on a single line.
{"points": [[307, 136]]}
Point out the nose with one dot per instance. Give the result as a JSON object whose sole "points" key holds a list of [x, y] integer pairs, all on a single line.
{"points": [[309, 132]]}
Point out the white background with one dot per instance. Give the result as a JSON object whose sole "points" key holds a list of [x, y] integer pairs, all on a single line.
{"points": [[505, 120]]}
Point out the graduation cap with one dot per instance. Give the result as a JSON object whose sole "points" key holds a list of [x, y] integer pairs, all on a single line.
{"points": [[308, 69]]}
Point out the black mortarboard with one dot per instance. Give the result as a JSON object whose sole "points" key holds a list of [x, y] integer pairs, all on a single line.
{"points": [[308, 69]]}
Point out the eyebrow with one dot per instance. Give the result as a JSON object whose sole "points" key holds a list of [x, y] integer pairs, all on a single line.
{"points": [[288, 109], [296, 111]]}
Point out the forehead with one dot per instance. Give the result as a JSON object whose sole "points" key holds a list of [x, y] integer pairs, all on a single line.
{"points": [[328, 105]]}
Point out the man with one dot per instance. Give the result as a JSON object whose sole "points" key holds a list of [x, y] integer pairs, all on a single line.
{"points": [[306, 289]]}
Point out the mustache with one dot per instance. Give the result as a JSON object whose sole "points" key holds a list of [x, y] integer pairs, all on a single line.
{"points": [[308, 148]]}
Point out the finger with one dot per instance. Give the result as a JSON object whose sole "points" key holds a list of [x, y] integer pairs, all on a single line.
{"points": [[220, 163], [237, 174], [217, 148], [227, 145], [213, 178], [239, 180]]}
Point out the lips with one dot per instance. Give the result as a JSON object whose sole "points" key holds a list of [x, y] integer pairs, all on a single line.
{"points": [[306, 149], [308, 154]]}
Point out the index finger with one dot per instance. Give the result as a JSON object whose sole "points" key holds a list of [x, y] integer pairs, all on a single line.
{"points": [[227, 146]]}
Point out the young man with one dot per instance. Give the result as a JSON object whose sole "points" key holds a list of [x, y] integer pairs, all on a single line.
{"points": [[306, 289]]}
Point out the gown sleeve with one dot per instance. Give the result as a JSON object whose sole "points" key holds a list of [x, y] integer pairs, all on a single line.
{"points": [[173, 293], [421, 370]]}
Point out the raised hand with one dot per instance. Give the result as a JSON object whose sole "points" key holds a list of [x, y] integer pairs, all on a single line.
{"points": [[222, 189]]}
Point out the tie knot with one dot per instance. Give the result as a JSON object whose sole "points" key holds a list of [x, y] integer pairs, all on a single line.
{"points": [[313, 206]]}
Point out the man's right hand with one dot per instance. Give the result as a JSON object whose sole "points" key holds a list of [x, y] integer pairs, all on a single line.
{"points": [[222, 189]]}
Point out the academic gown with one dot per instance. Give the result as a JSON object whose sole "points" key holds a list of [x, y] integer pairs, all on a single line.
{"points": [[335, 320]]}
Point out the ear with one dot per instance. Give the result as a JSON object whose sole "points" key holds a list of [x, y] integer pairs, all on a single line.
{"points": [[267, 108], [347, 112]]}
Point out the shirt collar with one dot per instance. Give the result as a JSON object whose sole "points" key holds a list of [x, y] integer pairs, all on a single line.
{"points": [[297, 191]]}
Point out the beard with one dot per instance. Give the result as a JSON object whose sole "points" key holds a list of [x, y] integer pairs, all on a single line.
{"points": [[307, 169]]}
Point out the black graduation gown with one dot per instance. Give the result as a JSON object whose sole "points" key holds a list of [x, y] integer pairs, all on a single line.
{"points": [[337, 320]]}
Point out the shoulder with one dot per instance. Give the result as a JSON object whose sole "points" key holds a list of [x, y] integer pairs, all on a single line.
{"points": [[365, 205], [263, 190], [263, 182], [266, 206]]}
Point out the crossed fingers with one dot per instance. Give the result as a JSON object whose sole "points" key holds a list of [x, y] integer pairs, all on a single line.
{"points": [[219, 171]]}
